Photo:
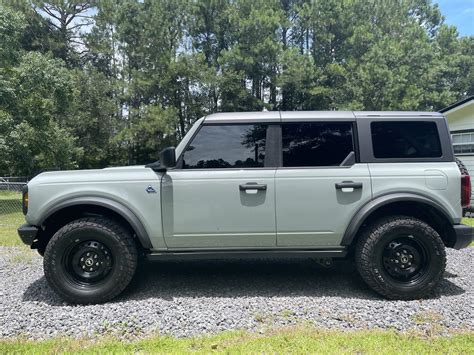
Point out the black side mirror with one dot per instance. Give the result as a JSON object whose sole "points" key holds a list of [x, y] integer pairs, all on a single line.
{"points": [[167, 160], [168, 157]]}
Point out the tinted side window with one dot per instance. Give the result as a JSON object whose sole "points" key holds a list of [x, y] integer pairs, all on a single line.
{"points": [[226, 146], [405, 140], [316, 144]]}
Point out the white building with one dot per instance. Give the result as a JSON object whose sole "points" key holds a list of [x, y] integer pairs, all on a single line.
{"points": [[460, 117]]}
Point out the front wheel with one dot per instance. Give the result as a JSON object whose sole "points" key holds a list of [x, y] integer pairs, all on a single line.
{"points": [[90, 260], [401, 257]]}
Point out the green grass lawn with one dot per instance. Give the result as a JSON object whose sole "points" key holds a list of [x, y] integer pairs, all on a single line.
{"points": [[290, 340], [8, 234], [11, 217], [10, 195], [468, 221]]}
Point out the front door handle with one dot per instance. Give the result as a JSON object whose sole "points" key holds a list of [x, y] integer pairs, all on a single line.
{"points": [[348, 185], [252, 186]]}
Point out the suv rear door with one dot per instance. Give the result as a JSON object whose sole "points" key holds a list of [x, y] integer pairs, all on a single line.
{"points": [[222, 193], [317, 192]]}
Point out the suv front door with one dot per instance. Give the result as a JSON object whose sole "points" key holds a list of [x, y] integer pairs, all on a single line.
{"points": [[320, 186], [222, 193]]}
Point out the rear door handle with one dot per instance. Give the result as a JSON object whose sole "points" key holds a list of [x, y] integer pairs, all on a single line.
{"points": [[252, 186], [348, 185]]}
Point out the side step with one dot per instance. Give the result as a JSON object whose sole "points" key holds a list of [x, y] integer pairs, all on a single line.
{"points": [[246, 254]]}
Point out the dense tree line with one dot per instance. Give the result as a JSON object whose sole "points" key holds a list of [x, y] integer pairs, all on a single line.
{"points": [[86, 84]]}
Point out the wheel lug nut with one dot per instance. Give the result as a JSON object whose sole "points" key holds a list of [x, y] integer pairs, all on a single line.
{"points": [[410, 256], [97, 264], [398, 254], [396, 261]]}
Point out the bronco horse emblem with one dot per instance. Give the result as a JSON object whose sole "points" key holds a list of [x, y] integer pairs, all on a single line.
{"points": [[150, 189]]}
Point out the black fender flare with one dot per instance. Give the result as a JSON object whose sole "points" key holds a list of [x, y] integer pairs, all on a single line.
{"points": [[373, 205], [112, 205]]}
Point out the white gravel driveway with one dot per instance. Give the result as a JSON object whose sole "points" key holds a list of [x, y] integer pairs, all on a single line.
{"points": [[191, 298]]}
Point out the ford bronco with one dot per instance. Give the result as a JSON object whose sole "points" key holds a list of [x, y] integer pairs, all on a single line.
{"points": [[383, 188]]}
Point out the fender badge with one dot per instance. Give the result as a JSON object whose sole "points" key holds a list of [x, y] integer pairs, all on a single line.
{"points": [[150, 190]]}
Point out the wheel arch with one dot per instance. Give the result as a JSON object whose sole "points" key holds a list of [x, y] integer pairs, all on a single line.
{"points": [[66, 211], [410, 204]]}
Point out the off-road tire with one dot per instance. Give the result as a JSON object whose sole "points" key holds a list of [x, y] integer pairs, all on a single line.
{"points": [[60, 274], [370, 257]]}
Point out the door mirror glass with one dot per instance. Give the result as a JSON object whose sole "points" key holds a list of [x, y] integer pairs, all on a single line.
{"points": [[168, 157]]}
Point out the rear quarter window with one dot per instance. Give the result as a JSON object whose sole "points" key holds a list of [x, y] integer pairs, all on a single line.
{"points": [[405, 139]]}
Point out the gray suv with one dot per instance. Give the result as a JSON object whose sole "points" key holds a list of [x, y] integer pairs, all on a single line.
{"points": [[383, 188]]}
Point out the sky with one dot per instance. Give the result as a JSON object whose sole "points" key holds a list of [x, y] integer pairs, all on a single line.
{"points": [[459, 13]]}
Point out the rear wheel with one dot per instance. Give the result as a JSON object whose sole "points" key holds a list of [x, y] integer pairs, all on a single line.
{"points": [[90, 260], [401, 257]]}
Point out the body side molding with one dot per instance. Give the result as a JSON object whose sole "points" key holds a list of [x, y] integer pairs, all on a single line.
{"points": [[113, 205], [383, 200]]}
